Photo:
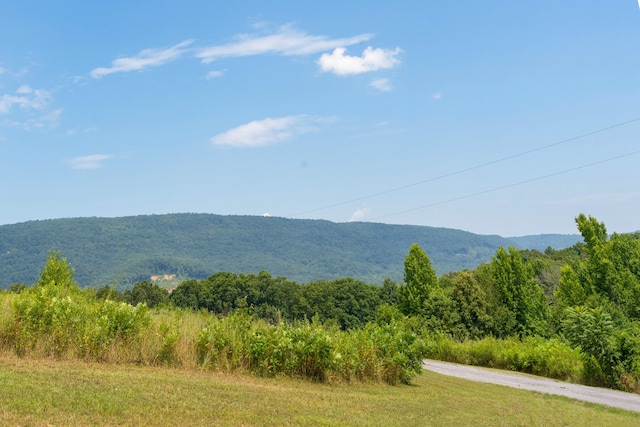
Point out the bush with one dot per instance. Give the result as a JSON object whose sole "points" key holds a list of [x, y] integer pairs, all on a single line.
{"points": [[57, 321], [114, 323], [304, 351], [223, 343], [380, 352], [550, 358], [51, 318]]}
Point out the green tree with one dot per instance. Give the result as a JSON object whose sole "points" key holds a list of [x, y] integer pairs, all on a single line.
{"points": [[188, 294], [592, 331], [147, 293], [593, 232], [471, 304], [609, 276], [519, 292], [350, 303], [419, 281], [389, 292], [56, 271]]}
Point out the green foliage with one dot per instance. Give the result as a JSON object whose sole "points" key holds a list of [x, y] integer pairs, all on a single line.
{"points": [[51, 316], [535, 355], [472, 305], [224, 343], [419, 281], [62, 321], [597, 305], [378, 352], [593, 232], [519, 294], [389, 292], [348, 302], [131, 249], [592, 331], [56, 271], [16, 288], [305, 350], [114, 321], [146, 293]]}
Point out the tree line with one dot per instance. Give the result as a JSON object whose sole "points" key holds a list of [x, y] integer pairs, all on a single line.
{"points": [[587, 296]]}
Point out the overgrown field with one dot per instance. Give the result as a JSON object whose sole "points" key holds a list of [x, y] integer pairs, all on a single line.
{"points": [[71, 392], [64, 323]]}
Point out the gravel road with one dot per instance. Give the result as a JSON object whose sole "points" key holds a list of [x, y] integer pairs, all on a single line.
{"points": [[618, 399]]}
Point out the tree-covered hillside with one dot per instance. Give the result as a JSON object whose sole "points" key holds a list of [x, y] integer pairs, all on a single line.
{"points": [[129, 249]]}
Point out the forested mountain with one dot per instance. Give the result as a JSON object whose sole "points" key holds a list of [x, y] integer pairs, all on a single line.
{"points": [[129, 249], [541, 242]]}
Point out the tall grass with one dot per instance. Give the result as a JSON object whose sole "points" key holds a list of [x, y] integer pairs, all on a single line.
{"points": [[539, 356], [64, 323]]}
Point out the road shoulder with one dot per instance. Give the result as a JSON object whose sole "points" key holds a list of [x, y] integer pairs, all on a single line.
{"points": [[613, 398]]}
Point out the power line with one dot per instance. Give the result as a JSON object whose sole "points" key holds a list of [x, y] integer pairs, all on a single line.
{"points": [[503, 187], [461, 171]]}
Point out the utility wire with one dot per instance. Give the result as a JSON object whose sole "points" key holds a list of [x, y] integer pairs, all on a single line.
{"points": [[461, 171], [479, 193]]}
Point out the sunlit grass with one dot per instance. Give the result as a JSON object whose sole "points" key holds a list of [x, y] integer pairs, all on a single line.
{"points": [[67, 392]]}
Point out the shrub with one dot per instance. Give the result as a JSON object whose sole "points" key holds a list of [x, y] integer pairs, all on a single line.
{"points": [[114, 323], [551, 358], [49, 317], [223, 343], [304, 350]]}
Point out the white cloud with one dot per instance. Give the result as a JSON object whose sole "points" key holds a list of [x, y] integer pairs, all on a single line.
{"points": [[286, 41], [49, 119], [24, 89], [75, 131], [371, 60], [3, 70], [145, 59], [26, 98], [436, 96], [214, 74], [93, 161], [359, 214], [383, 85], [267, 131]]}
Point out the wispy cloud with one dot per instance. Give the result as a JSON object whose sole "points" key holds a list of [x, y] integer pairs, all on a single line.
{"points": [[359, 214], [436, 96], [75, 131], [267, 131], [50, 119], [383, 85], [371, 60], [214, 74], [93, 161], [286, 41], [25, 98], [145, 59]]}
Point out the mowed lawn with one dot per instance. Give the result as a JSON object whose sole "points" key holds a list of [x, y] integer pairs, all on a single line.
{"points": [[51, 392]]}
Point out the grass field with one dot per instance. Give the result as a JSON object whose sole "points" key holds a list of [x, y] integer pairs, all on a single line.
{"points": [[42, 392]]}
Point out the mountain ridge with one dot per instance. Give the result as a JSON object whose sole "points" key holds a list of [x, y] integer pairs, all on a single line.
{"points": [[128, 249]]}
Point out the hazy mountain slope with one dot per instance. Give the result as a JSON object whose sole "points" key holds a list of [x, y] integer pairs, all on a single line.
{"points": [[542, 241], [128, 249]]}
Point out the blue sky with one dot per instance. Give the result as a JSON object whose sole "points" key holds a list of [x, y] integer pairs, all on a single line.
{"points": [[496, 117]]}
